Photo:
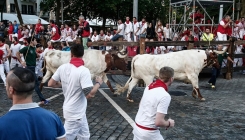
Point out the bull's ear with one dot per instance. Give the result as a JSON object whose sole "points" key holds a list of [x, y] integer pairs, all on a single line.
{"points": [[103, 52]]}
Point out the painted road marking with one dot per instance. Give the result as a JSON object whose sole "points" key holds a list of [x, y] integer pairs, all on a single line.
{"points": [[118, 108]]}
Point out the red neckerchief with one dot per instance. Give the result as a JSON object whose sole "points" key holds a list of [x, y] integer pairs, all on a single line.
{"points": [[15, 43], [158, 83], [143, 23], [62, 29], [77, 62], [127, 22], [50, 47], [101, 34], [67, 29], [26, 44], [95, 35], [1, 44], [135, 22], [40, 51]]}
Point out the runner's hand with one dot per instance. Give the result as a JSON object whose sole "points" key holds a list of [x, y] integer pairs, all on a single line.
{"points": [[171, 122], [23, 63], [99, 79]]}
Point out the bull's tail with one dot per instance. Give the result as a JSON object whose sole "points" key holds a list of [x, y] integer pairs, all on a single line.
{"points": [[121, 89]]}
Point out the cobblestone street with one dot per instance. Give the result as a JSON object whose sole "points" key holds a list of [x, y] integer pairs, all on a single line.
{"points": [[221, 116]]}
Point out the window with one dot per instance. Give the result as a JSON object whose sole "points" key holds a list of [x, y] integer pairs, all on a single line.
{"points": [[30, 10], [24, 9], [12, 8]]}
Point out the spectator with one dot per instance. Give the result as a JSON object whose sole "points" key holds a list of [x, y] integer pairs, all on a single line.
{"points": [[2, 29], [68, 33], [108, 37], [101, 37], [150, 33], [153, 107], [159, 31], [143, 27], [167, 33], [38, 29], [30, 55], [15, 25], [10, 31], [120, 31], [84, 30], [77, 86], [55, 36], [65, 46], [136, 29], [25, 119], [128, 29]]}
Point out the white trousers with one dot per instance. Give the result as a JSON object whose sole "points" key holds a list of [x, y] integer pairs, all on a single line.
{"points": [[14, 63], [241, 33], [128, 37], [6, 66], [77, 128], [141, 134], [2, 74], [39, 64]]}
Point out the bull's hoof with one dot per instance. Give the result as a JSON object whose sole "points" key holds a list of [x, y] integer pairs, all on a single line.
{"points": [[194, 95], [202, 99], [130, 100]]}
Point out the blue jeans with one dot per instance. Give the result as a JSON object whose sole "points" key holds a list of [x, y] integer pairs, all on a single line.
{"points": [[37, 89], [1, 34], [102, 48], [215, 74], [115, 37]]}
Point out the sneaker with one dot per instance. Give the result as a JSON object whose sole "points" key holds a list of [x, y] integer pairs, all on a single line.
{"points": [[46, 102], [213, 86]]}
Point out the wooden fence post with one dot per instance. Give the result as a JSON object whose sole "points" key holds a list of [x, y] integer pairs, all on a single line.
{"points": [[231, 54], [142, 51], [142, 45], [121, 46]]}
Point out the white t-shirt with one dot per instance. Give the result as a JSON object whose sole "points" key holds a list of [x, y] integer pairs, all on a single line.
{"points": [[159, 28], [101, 37], [129, 27], [136, 27], [153, 101], [73, 80], [108, 38], [68, 31], [4, 49], [167, 31], [95, 38], [121, 26], [222, 23], [14, 49], [241, 26], [143, 27]]}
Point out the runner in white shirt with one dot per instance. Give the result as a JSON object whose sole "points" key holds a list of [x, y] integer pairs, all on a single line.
{"points": [[91, 32], [153, 108], [128, 30], [95, 37], [101, 37], [7, 53], [74, 32], [15, 47], [63, 33], [77, 86], [108, 37], [136, 29], [39, 62]]}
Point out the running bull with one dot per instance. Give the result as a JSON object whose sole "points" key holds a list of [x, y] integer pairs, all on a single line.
{"points": [[186, 64], [98, 62]]}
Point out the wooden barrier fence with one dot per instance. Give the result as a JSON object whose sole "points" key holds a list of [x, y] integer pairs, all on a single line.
{"points": [[229, 69]]}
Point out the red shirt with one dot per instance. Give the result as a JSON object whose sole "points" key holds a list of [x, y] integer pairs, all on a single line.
{"points": [[56, 35], [37, 28], [11, 29]]}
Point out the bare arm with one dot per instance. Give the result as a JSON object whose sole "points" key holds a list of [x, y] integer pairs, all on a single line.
{"points": [[8, 50], [53, 83], [228, 58], [161, 122], [95, 88]]}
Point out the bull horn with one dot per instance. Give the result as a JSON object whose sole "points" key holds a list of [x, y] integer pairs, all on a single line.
{"points": [[122, 54]]}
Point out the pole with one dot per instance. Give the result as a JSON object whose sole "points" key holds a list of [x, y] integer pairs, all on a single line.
{"points": [[220, 12], [193, 16], [135, 9], [62, 8], [233, 16], [185, 14]]}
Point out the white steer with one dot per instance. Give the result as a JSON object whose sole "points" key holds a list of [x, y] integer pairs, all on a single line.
{"points": [[96, 61], [186, 64]]}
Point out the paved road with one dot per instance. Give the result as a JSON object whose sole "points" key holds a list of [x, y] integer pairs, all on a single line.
{"points": [[221, 116]]}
